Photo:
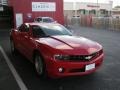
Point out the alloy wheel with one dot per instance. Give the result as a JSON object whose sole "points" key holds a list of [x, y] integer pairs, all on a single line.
{"points": [[39, 65]]}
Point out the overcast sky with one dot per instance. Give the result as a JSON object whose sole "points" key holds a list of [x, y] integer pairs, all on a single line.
{"points": [[115, 2]]}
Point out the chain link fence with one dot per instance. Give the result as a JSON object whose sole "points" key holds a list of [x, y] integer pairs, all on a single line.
{"points": [[108, 23]]}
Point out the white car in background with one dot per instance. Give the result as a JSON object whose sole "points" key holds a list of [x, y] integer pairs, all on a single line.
{"points": [[44, 20]]}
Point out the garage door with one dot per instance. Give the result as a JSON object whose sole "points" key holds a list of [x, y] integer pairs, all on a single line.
{"points": [[6, 17]]}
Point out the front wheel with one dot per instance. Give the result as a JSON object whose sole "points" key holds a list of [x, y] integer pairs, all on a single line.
{"points": [[39, 65]]}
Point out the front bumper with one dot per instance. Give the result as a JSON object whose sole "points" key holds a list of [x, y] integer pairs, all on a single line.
{"points": [[71, 68]]}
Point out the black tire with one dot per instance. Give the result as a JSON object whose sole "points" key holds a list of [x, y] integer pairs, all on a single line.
{"points": [[39, 65], [13, 49]]}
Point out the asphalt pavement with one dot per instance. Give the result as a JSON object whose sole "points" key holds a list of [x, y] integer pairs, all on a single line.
{"points": [[106, 78], [7, 81]]}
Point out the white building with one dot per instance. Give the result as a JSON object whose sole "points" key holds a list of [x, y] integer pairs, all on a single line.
{"points": [[84, 8], [116, 12]]}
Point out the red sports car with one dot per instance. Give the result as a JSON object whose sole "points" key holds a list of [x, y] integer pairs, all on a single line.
{"points": [[55, 51]]}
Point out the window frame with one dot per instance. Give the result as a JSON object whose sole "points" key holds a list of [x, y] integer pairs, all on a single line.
{"points": [[41, 30], [24, 28]]}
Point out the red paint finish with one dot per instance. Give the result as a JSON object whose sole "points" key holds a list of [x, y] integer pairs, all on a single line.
{"points": [[25, 7], [59, 45]]}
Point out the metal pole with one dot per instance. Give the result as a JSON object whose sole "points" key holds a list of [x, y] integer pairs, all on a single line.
{"points": [[97, 8]]}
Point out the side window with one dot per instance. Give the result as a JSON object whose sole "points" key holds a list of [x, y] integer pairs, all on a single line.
{"points": [[24, 28], [39, 19], [37, 31], [20, 28]]}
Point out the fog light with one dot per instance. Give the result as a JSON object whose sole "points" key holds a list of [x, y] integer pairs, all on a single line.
{"points": [[60, 70]]}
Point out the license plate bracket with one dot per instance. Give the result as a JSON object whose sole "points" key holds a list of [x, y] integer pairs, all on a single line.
{"points": [[89, 66]]}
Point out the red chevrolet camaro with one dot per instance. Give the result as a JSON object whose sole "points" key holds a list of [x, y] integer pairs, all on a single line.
{"points": [[54, 51]]}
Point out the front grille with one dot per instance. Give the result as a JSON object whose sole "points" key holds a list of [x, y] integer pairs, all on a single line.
{"points": [[85, 58]]}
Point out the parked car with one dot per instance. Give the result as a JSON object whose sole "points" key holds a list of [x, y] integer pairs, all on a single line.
{"points": [[44, 20], [54, 51]]}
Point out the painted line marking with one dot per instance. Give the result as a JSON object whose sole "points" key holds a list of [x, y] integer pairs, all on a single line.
{"points": [[19, 81]]}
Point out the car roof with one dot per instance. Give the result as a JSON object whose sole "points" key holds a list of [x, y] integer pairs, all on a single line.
{"points": [[43, 17], [41, 24]]}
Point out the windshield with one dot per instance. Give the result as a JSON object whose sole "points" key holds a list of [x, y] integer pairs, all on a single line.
{"points": [[50, 30]]}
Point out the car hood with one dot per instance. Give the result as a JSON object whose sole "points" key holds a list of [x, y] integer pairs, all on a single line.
{"points": [[72, 44]]}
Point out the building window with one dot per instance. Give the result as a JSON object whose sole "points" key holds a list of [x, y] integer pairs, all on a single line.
{"points": [[92, 12], [102, 11], [81, 11]]}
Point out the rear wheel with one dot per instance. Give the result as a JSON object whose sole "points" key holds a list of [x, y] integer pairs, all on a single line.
{"points": [[39, 65], [13, 49]]}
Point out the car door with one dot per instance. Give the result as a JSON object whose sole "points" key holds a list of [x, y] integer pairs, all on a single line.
{"points": [[29, 43], [24, 33], [19, 38]]}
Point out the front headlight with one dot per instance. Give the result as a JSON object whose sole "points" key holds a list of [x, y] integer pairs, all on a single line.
{"points": [[61, 57]]}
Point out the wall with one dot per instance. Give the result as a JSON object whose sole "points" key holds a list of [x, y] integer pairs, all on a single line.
{"points": [[87, 6], [25, 7], [84, 8], [116, 13], [91, 6], [68, 6]]}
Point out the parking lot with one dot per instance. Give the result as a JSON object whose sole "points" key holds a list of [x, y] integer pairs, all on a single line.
{"points": [[106, 78]]}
